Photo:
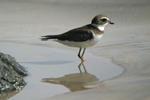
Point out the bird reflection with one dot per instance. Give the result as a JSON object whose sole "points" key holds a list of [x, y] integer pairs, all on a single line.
{"points": [[75, 81]]}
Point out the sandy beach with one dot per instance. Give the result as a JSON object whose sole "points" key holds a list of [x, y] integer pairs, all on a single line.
{"points": [[124, 48]]}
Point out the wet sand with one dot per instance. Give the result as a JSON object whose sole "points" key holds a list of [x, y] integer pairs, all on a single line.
{"points": [[127, 43]]}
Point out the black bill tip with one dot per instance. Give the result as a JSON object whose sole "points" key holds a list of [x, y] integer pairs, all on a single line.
{"points": [[111, 22]]}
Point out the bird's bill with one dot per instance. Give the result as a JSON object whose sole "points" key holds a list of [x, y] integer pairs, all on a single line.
{"points": [[110, 22]]}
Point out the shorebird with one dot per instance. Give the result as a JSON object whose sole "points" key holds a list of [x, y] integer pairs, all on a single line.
{"points": [[84, 36]]}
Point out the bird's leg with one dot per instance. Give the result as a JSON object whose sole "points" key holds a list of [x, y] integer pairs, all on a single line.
{"points": [[82, 55], [79, 53]]}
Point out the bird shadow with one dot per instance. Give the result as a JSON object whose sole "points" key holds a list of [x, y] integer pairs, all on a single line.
{"points": [[75, 81]]}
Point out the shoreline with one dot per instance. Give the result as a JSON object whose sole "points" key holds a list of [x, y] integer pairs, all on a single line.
{"points": [[128, 84], [80, 80]]}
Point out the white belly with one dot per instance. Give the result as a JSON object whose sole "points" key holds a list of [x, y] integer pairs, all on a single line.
{"points": [[82, 44]]}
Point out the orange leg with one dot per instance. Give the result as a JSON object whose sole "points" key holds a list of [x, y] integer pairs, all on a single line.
{"points": [[81, 57]]}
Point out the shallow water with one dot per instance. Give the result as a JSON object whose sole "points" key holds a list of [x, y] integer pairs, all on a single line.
{"points": [[55, 71]]}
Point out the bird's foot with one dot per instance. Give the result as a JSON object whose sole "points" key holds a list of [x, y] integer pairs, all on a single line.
{"points": [[82, 59]]}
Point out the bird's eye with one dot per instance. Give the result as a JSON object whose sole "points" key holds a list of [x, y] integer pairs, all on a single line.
{"points": [[103, 20]]}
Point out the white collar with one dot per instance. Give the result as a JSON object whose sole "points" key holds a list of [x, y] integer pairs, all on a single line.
{"points": [[100, 27]]}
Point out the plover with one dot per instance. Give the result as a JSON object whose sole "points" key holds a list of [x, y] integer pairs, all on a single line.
{"points": [[84, 36]]}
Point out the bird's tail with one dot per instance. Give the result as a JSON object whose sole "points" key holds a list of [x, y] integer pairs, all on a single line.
{"points": [[47, 37]]}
